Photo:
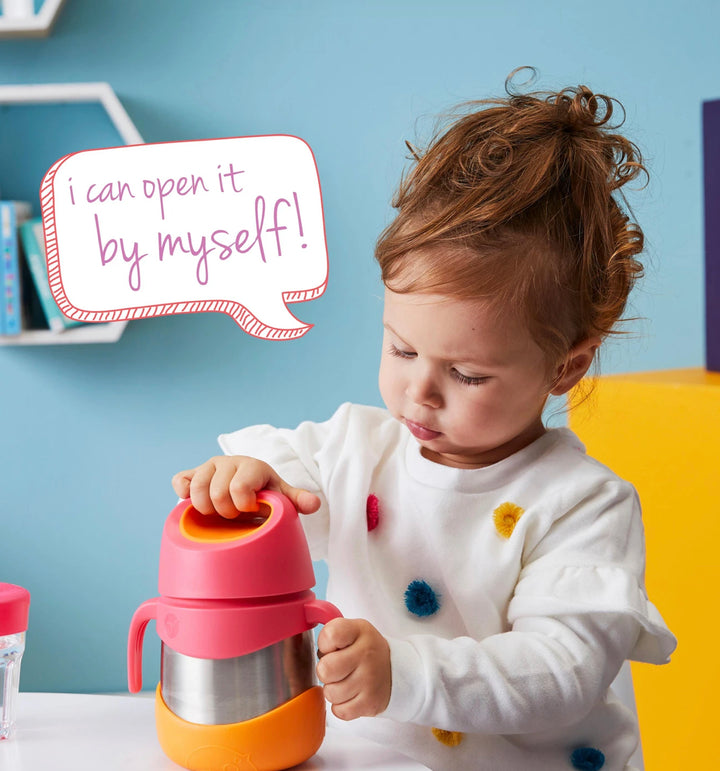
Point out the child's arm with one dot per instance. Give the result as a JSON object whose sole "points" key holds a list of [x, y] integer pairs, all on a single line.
{"points": [[227, 485], [543, 675], [578, 611]]}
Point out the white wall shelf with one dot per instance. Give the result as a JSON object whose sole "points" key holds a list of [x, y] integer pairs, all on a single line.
{"points": [[18, 18], [67, 93]]}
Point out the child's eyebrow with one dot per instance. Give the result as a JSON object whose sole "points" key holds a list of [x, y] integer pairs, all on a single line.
{"points": [[389, 328], [394, 332]]}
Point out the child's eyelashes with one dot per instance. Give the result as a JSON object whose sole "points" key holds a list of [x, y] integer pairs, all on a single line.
{"points": [[470, 380], [395, 351]]}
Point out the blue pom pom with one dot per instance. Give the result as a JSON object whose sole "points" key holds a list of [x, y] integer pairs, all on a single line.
{"points": [[587, 759], [420, 599]]}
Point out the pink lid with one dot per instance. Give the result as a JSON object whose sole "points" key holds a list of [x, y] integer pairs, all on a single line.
{"points": [[14, 609], [208, 557]]}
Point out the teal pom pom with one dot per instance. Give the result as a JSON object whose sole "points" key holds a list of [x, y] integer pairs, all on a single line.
{"points": [[587, 759], [421, 599]]}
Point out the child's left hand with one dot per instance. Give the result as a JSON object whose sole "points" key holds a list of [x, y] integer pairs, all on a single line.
{"points": [[355, 668]]}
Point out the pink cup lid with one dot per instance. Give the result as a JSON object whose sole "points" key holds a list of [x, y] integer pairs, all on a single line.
{"points": [[207, 557], [14, 609]]}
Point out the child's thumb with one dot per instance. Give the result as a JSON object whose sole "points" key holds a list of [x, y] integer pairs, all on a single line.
{"points": [[303, 500]]}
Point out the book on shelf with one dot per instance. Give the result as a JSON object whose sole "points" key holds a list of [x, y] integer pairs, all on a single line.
{"points": [[33, 247], [33, 314], [12, 214]]}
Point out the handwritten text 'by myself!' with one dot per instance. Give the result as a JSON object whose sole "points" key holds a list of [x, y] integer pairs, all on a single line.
{"points": [[263, 234]]}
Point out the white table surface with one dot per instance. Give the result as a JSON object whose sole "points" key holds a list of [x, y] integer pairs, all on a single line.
{"points": [[79, 732]]}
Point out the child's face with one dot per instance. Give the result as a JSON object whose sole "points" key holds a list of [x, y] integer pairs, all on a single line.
{"points": [[470, 384]]}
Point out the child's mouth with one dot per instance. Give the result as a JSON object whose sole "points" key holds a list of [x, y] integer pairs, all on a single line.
{"points": [[421, 432]]}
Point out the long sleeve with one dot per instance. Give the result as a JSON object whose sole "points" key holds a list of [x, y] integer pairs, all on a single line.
{"points": [[577, 612], [544, 674]]}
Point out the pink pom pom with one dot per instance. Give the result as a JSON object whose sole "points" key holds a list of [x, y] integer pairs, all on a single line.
{"points": [[372, 510]]}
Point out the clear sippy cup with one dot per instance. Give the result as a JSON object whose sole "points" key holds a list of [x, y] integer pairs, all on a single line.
{"points": [[14, 609]]}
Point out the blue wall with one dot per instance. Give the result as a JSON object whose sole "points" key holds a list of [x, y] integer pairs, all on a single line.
{"points": [[92, 434]]}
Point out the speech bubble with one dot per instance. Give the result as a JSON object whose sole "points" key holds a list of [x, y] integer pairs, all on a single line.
{"points": [[226, 225]]}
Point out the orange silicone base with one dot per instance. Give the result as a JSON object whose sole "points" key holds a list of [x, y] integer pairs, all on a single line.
{"points": [[276, 740]]}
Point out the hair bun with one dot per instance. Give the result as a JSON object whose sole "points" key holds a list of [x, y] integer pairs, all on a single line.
{"points": [[588, 117], [581, 109]]}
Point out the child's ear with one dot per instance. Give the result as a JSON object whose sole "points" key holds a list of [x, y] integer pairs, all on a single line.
{"points": [[575, 366]]}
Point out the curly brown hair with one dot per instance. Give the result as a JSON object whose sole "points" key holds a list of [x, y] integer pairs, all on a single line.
{"points": [[519, 202]]}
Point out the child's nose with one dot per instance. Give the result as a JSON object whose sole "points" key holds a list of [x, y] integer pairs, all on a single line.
{"points": [[423, 390]]}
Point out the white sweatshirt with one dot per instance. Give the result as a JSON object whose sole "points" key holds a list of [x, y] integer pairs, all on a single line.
{"points": [[510, 595]]}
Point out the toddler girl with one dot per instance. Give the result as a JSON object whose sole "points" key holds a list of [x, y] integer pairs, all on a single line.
{"points": [[489, 571]]}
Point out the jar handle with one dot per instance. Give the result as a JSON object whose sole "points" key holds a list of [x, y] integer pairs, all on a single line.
{"points": [[142, 616], [320, 612]]}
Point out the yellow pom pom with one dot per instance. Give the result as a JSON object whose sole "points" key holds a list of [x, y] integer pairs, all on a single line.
{"points": [[506, 516], [448, 738]]}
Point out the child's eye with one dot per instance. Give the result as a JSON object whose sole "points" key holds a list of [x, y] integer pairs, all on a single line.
{"points": [[395, 351], [467, 379]]}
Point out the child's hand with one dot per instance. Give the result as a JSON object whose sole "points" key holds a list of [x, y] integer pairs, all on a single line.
{"points": [[227, 484], [355, 668]]}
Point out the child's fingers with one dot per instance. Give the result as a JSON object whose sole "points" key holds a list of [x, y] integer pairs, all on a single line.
{"points": [[232, 490], [346, 710], [342, 694], [357, 704], [255, 476], [199, 487], [358, 694], [248, 479], [336, 667], [228, 485], [181, 483], [337, 634]]}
